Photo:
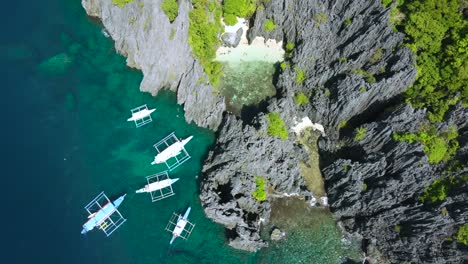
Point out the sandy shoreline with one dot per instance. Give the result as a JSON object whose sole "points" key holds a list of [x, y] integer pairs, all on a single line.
{"points": [[259, 50]]}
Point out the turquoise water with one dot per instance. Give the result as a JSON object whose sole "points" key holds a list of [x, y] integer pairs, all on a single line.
{"points": [[67, 96], [246, 83]]}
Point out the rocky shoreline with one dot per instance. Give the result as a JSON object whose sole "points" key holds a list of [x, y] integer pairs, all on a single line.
{"points": [[160, 49], [372, 184]]}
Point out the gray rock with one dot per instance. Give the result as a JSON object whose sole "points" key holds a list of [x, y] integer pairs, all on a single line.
{"points": [[277, 234], [232, 39], [373, 185], [144, 35], [241, 153]]}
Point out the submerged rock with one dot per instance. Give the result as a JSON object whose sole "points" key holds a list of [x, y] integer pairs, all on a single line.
{"points": [[160, 49], [277, 234]]}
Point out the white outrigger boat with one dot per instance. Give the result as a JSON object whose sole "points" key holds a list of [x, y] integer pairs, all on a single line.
{"points": [[141, 115], [171, 151], [181, 228], [155, 186], [159, 186]]}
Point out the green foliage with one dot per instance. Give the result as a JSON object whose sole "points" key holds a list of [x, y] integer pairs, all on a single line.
{"points": [[347, 22], [276, 126], [327, 92], [369, 77], [444, 211], [269, 25], [397, 228], [230, 19], [301, 99], [346, 167], [439, 188], [438, 35], [362, 89], [284, 65], [260, 193], [360, 133], [342, 59], [300, 77], [320, 18], [203, 37], [377, 55], [171, 9], [172, 35], [364, 187], [239, 8], [121, 3], [462, 235], [437, 191], [343, 124], [289, 46], [386, 3], [437, 147]]}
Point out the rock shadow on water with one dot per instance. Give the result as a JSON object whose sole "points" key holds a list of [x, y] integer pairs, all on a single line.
{"points": [[311, 235]]}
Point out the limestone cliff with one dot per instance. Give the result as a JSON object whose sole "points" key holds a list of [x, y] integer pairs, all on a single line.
{"points": [[144, 35], [355, 68]]}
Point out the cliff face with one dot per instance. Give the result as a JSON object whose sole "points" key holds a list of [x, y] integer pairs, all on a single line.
{"points": [[144, 35], [355, 68]]}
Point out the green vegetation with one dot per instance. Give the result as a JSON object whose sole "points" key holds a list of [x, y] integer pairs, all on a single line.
{"points": [[230, 19], [377, 55], [364, 187], [462, 235], [300, 77], [276, 126], [397, 228], [437, 146], [444, 211], [386, 3], [260, 191], [121, 3], [342, 59], [438, 35], [289, 46], [320, 18], [171, 9], [362, 89], [239, 8], [203, 36], [172, 35], [346, 167], [439, 188], [327, 92], [347, 22], [269, 25], [343, 124], [360, 133], [369, 77], [284, 65], [301, 99]]}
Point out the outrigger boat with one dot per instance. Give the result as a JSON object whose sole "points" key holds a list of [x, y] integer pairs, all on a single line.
{"points": [[141, 114], [171, 151], [181, 228], [103, 216], [157, 185]]}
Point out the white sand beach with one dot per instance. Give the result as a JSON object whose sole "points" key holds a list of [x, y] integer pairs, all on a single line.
{"points": [[259, 50]]}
